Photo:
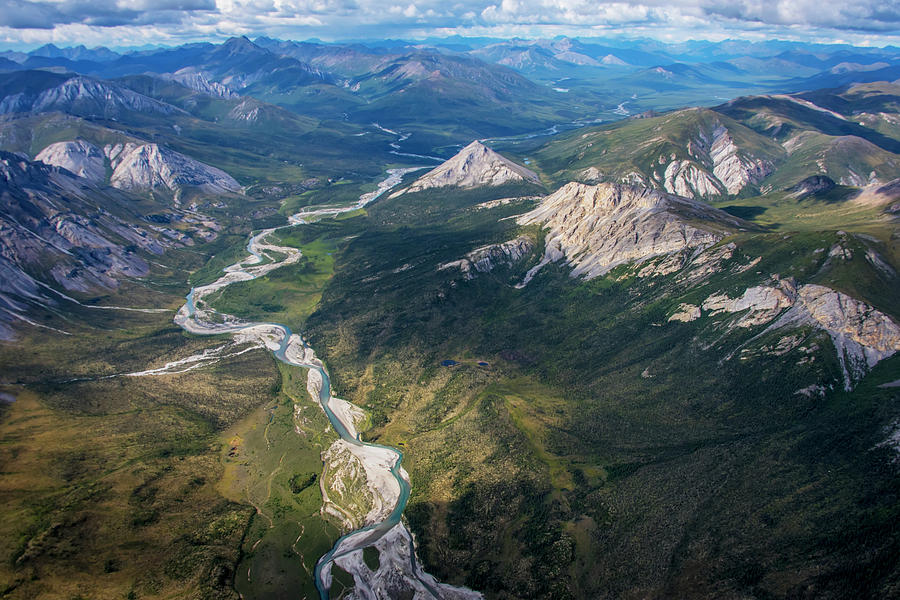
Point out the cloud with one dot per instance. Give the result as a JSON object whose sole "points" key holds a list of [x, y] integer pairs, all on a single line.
{"points": [[29, 14], [825, 20], [862, 15]]}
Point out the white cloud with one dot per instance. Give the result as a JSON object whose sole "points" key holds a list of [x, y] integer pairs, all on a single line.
{"points": [[120, 22]]}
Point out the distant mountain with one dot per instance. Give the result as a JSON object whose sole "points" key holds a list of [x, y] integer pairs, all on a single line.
{"points": [[9, 65], [847, 74], [41, 92], [237, 64], [77, 53], [546, 56], [458, 95]]}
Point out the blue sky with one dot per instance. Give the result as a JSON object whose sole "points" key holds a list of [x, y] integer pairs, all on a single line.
{"points": [[28, 23]]}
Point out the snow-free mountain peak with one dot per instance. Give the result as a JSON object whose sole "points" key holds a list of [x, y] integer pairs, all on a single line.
{"points": [[138, 167], [476, 165], [598, 227]]}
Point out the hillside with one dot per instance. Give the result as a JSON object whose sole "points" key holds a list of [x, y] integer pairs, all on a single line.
{"points": [[751, 144], [476, 165], [694, 153]]}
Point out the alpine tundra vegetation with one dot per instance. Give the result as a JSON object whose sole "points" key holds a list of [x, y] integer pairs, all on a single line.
{"points": [[532, 305]]}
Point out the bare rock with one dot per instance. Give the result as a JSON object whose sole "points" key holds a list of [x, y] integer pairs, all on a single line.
{"points": [[862, 335], [596, 228], [475, 165], [78, 156], [150, 166], [487, 258], [761, 303], [686, 313]]}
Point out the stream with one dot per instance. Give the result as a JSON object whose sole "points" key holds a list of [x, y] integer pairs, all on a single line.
{"points": [[398, 569]]}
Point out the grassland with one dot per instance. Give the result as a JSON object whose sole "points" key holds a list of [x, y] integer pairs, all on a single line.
{"points": [[287, 295], [148, 487], [110, 484], [263, 457]]}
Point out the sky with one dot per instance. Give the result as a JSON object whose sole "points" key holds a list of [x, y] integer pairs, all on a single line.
{"points": [[132, 23]]}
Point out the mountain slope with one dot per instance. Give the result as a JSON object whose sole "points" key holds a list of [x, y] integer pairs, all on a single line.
{"points": [[60, 231], [139, 167], [28, 91], [596, 228], [475, 165], [693, 153]]}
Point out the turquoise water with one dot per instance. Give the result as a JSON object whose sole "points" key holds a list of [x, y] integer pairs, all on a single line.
{"points": [[377, 529], [324, 395]]}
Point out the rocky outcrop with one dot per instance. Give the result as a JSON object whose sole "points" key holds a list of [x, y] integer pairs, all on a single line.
{"points": [[487, 258], [686, 313], [80, 157], [246, 110], [734, 168], [862, 335], [150, 166], [138, 167], [200, 82], [596, 228], [687, 178], [716, 166], [475, 165], [760, 304]]}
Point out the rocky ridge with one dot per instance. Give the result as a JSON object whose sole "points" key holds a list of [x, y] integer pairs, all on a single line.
{"points": [[596, 228], [717, 166], [138, 167], [475, 165], [84, 96], [150, 166], [862, 336], [200, 82], [61, 231], [486, 258], [78, 156]]}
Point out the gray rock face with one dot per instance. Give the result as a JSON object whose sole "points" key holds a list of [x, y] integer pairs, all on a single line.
{"points": [[80, 157], [245, 111], [716, 166], [862, 335], [200, 82], [487, 258], [149, 166], [138, 167], [475, 165], [761, 303], [734, 168], [596, 228], [58, 230], [46, 216]]}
